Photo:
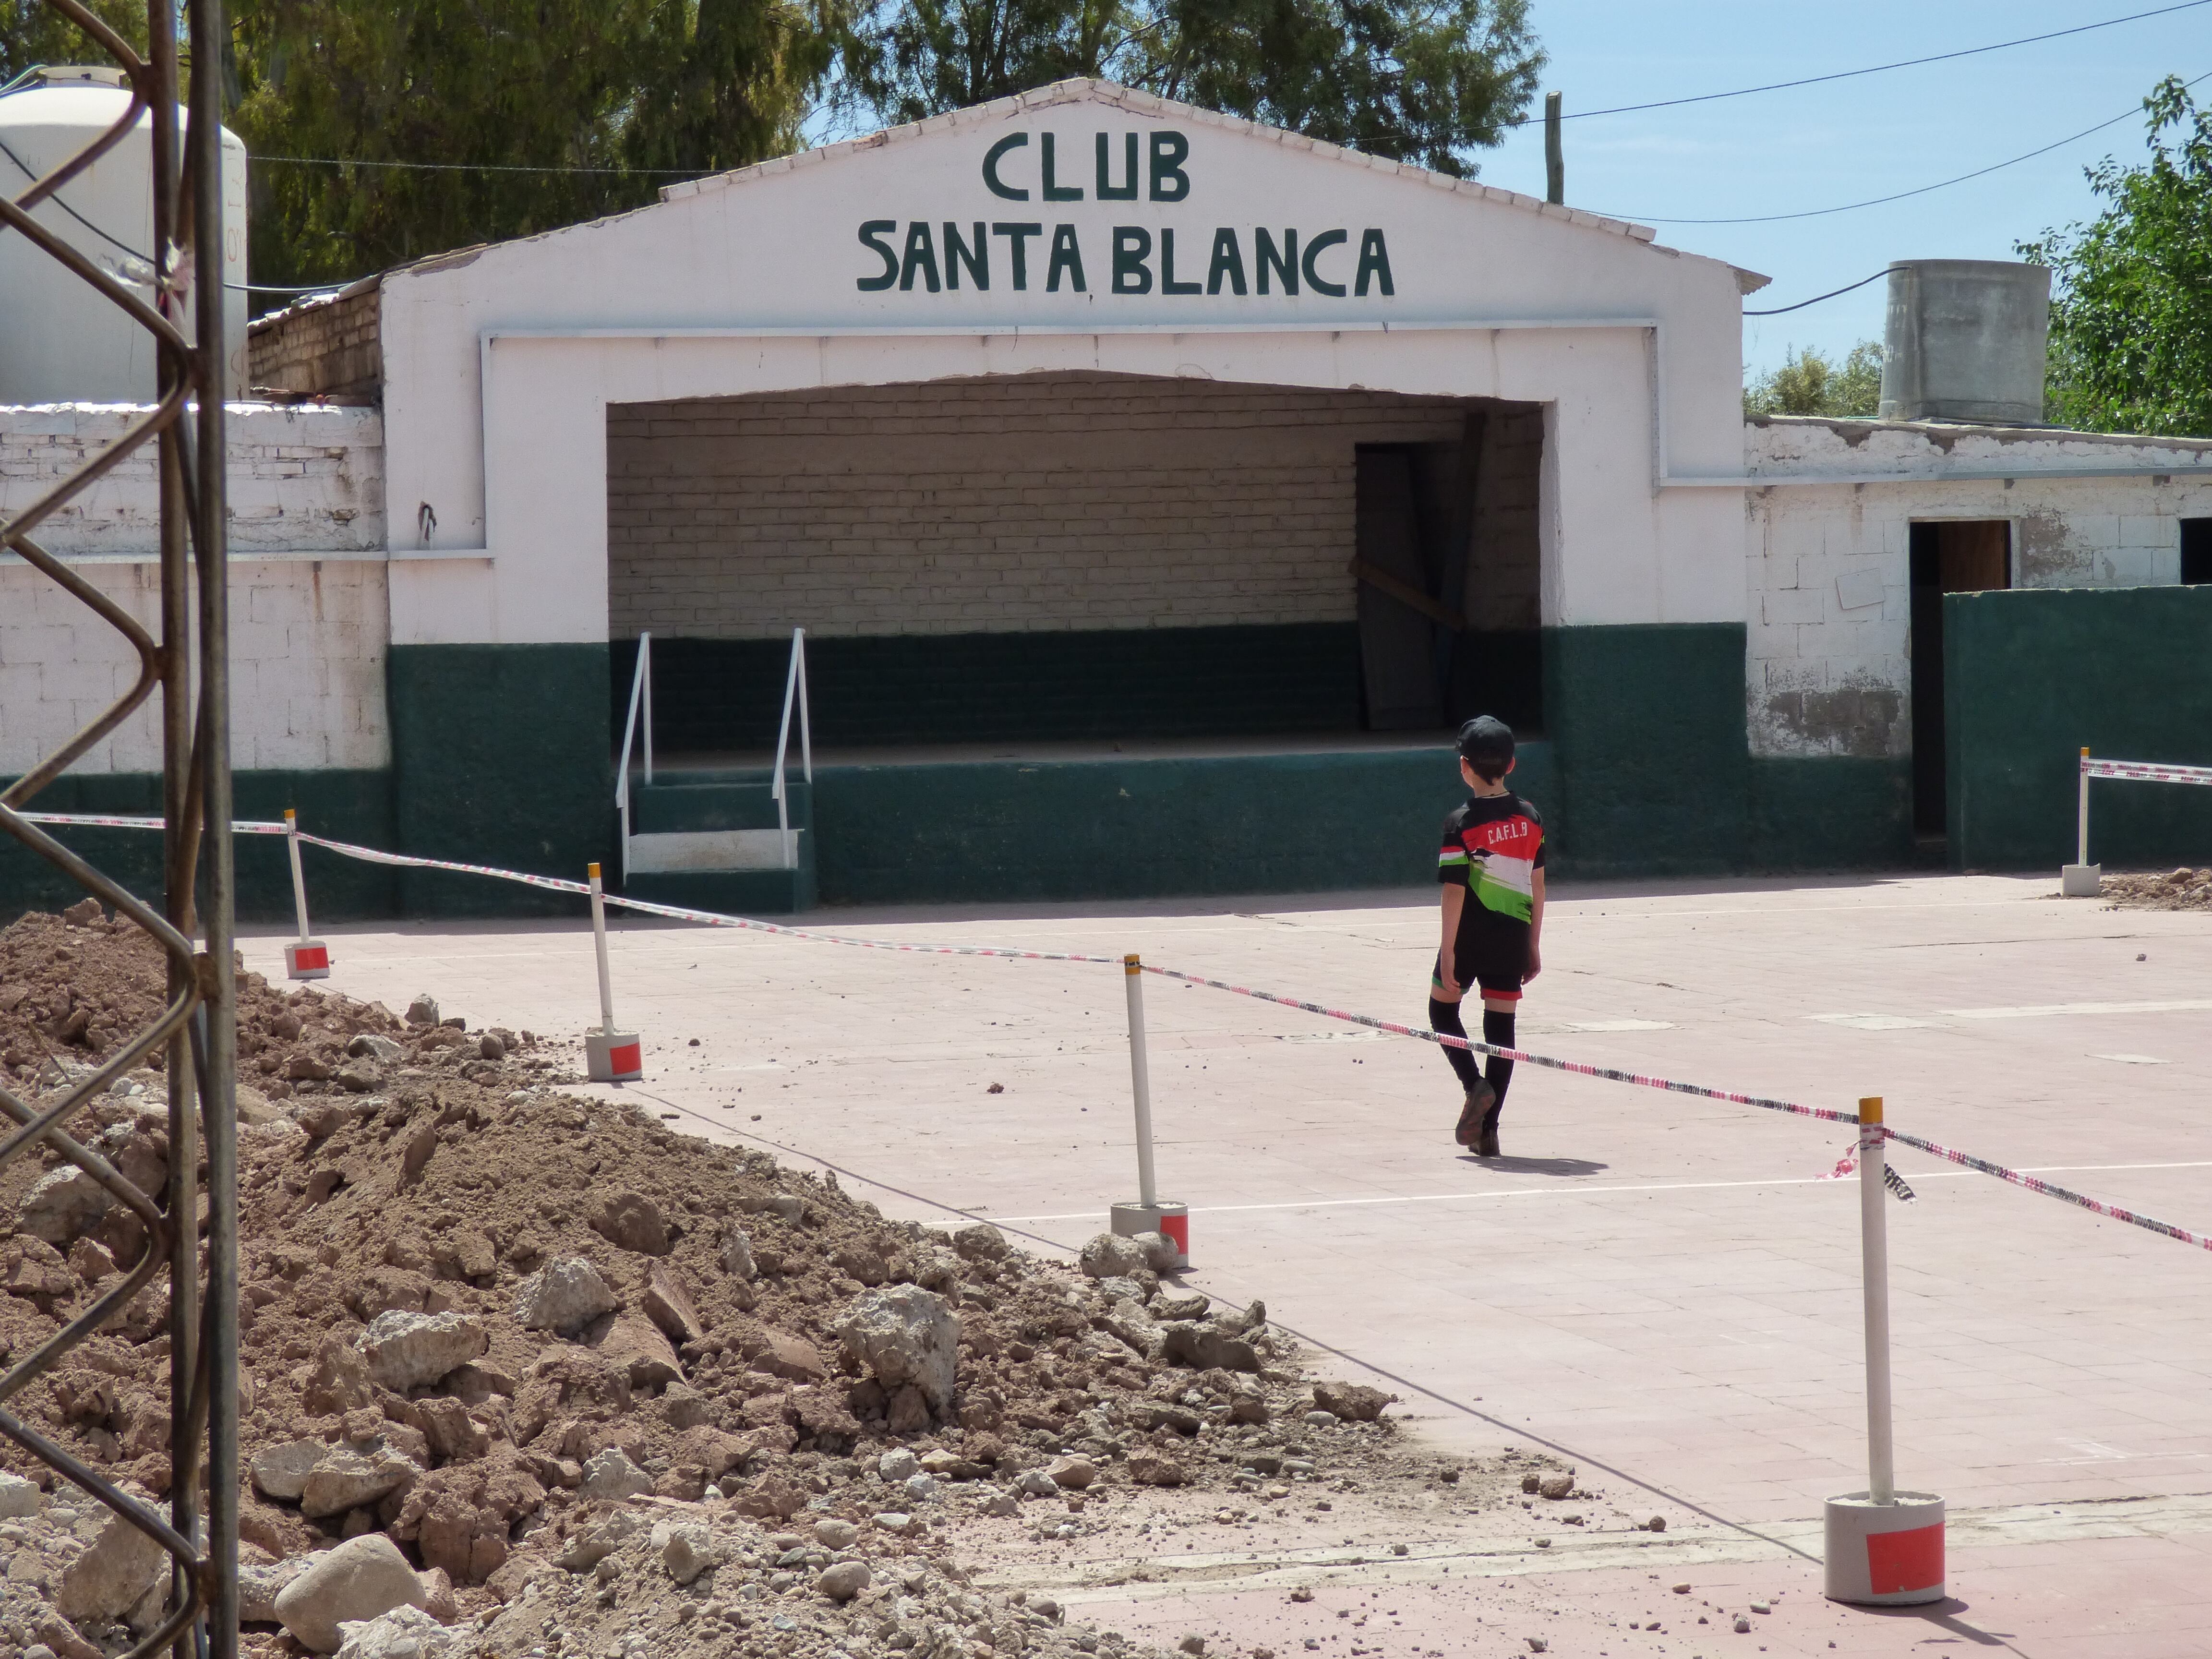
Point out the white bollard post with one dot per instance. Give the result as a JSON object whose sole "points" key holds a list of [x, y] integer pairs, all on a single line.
{"points": [[610, 1056], [1148, 1214], [1885, 1547], [310, 959], [2081, 879]]}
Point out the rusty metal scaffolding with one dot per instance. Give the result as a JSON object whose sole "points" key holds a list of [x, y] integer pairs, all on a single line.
{"points": [[193, 1036]]}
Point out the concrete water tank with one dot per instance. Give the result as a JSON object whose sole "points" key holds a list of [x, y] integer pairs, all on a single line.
{"points": [[1966, 342], [60, 340]]}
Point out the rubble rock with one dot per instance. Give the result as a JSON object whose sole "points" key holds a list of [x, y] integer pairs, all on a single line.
{"points": [[1073, 1473], [588, 1548], [1110, 1255], [18, 1498], [280, 1471], [843, 1580], [360, 1579], [410, 1350], [62, 1204], [631, 1221], [643, 1352], [367, 1045], [405, 1633], [686, 1549], [1557, 1487], [737, 1253], [612, 1476], [1181, 1305], [979, 1241], [565, 1295], [1242, 1323], [1354, 1402], [1150, 1469], [1203, 1347], [669, 1305], [260, 1584], [1161, 1253], [113, 1574], [339, 1382], [343, 1479], [834, 1534], [902, 1333], [423, 1010]]}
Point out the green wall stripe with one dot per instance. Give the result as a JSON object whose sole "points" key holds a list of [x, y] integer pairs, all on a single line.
{"points": [[2030, 676]]}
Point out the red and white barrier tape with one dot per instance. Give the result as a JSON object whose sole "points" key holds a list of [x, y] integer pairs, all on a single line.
{"points": [[2096, 1207], [103, 821], [2145, 771], [707, 918], [1578, 1068]]}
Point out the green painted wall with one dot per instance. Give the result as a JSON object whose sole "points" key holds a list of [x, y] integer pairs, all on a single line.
{"points": [[1647, 724], [345, 805], [721, 695], [1135, 829], [2030, 676], [500, 756], [1829, 812]]}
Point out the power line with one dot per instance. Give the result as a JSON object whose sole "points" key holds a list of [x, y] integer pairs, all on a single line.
{"points": [[1777, 310], [1877, 69], [1877, 201], [509, 166]]}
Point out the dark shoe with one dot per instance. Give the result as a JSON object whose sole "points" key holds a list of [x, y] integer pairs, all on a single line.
{"points": [[1479, 1100], [1485, 1139]]}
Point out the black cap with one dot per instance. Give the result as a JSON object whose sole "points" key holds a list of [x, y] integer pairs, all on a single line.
{"points": [[1486, 739]]}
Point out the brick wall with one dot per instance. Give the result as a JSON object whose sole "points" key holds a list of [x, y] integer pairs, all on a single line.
{"points": [[301, 480], [321, 348], [1828, 570], [1058, 501], [308, 645], [1505, 569]]}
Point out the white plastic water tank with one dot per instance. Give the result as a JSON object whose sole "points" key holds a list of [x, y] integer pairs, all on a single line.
{"points": [[61, 341]]}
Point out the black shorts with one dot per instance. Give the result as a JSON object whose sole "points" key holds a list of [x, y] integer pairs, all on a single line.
{"points": [[1496, 964]]}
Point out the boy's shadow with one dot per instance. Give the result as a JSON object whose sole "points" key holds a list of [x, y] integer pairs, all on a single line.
{"points": [[1549, 1166]]}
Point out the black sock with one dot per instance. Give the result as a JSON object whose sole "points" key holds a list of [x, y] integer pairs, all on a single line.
{"points": [[1497, 1028], [1443, 1018]]}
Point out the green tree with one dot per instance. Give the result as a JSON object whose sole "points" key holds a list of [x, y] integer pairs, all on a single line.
{"points": [[1808, 383], [31, 32], [558, 110], [1420, 81], [2131, 314]]}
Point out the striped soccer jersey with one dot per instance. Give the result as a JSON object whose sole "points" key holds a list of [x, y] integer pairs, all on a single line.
{"points": [[1493, 845]]}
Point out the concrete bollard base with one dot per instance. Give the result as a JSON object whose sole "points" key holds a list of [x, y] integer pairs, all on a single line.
{"points": [[1885, 1555], [2081, 880], [613, 1056], [309, 959], [1173, 1220]]}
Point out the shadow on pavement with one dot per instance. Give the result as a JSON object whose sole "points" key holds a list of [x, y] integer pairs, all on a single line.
{"points": [[1550, 1166]]}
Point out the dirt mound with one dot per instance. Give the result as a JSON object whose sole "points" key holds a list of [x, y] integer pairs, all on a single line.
{"points": [[2182, 889], [475, 1313]]}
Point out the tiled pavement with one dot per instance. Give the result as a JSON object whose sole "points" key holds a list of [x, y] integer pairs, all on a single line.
{"points": [[1658, 1286]]}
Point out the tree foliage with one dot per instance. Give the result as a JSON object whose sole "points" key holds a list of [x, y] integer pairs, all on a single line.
{"points": [[31, 32], [1420, 81], [1807, 383], [2132, 315], [618, 92]]}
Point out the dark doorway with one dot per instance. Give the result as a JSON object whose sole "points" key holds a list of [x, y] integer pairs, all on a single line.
{"points": [[1958, 555], [1409, 560], [2197, 550]]}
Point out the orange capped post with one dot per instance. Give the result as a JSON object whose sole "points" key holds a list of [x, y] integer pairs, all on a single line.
{"points": [[310, 959], [610, 1056]]}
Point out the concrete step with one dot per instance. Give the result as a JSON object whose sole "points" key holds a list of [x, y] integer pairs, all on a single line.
{"points": [[683, 852], [695, 808], [729, 892]]}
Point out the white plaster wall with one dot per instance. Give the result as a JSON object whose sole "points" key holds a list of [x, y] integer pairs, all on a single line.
{"points": [[301, 480], [1827, 568], [307, 642], [500, 362], [310, 614]]}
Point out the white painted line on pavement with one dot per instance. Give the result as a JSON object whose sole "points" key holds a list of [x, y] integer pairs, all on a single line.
{"points": [[2131, 1060], [2024, 1011], [1572, 1192]]}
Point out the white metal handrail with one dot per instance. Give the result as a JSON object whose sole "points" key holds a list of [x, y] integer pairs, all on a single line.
{"points": [[794, 690], [641, 696]]}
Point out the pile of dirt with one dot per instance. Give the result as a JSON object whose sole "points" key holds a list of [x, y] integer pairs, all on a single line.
{"points": [[479, 1316], [2182, 889]]}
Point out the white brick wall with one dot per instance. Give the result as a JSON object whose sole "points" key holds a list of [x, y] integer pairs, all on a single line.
{"points": [[308, 651], [1046, 501], [1824, 679], [301, 479]]}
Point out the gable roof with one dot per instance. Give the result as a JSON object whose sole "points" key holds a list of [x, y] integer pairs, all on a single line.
{"points": [[1114, 96]]}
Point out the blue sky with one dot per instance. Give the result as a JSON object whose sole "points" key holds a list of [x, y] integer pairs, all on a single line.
{"points": [[1817, 147]]}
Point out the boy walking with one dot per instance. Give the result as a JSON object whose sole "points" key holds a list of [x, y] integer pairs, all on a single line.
{"points": [[1491, 868]]}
